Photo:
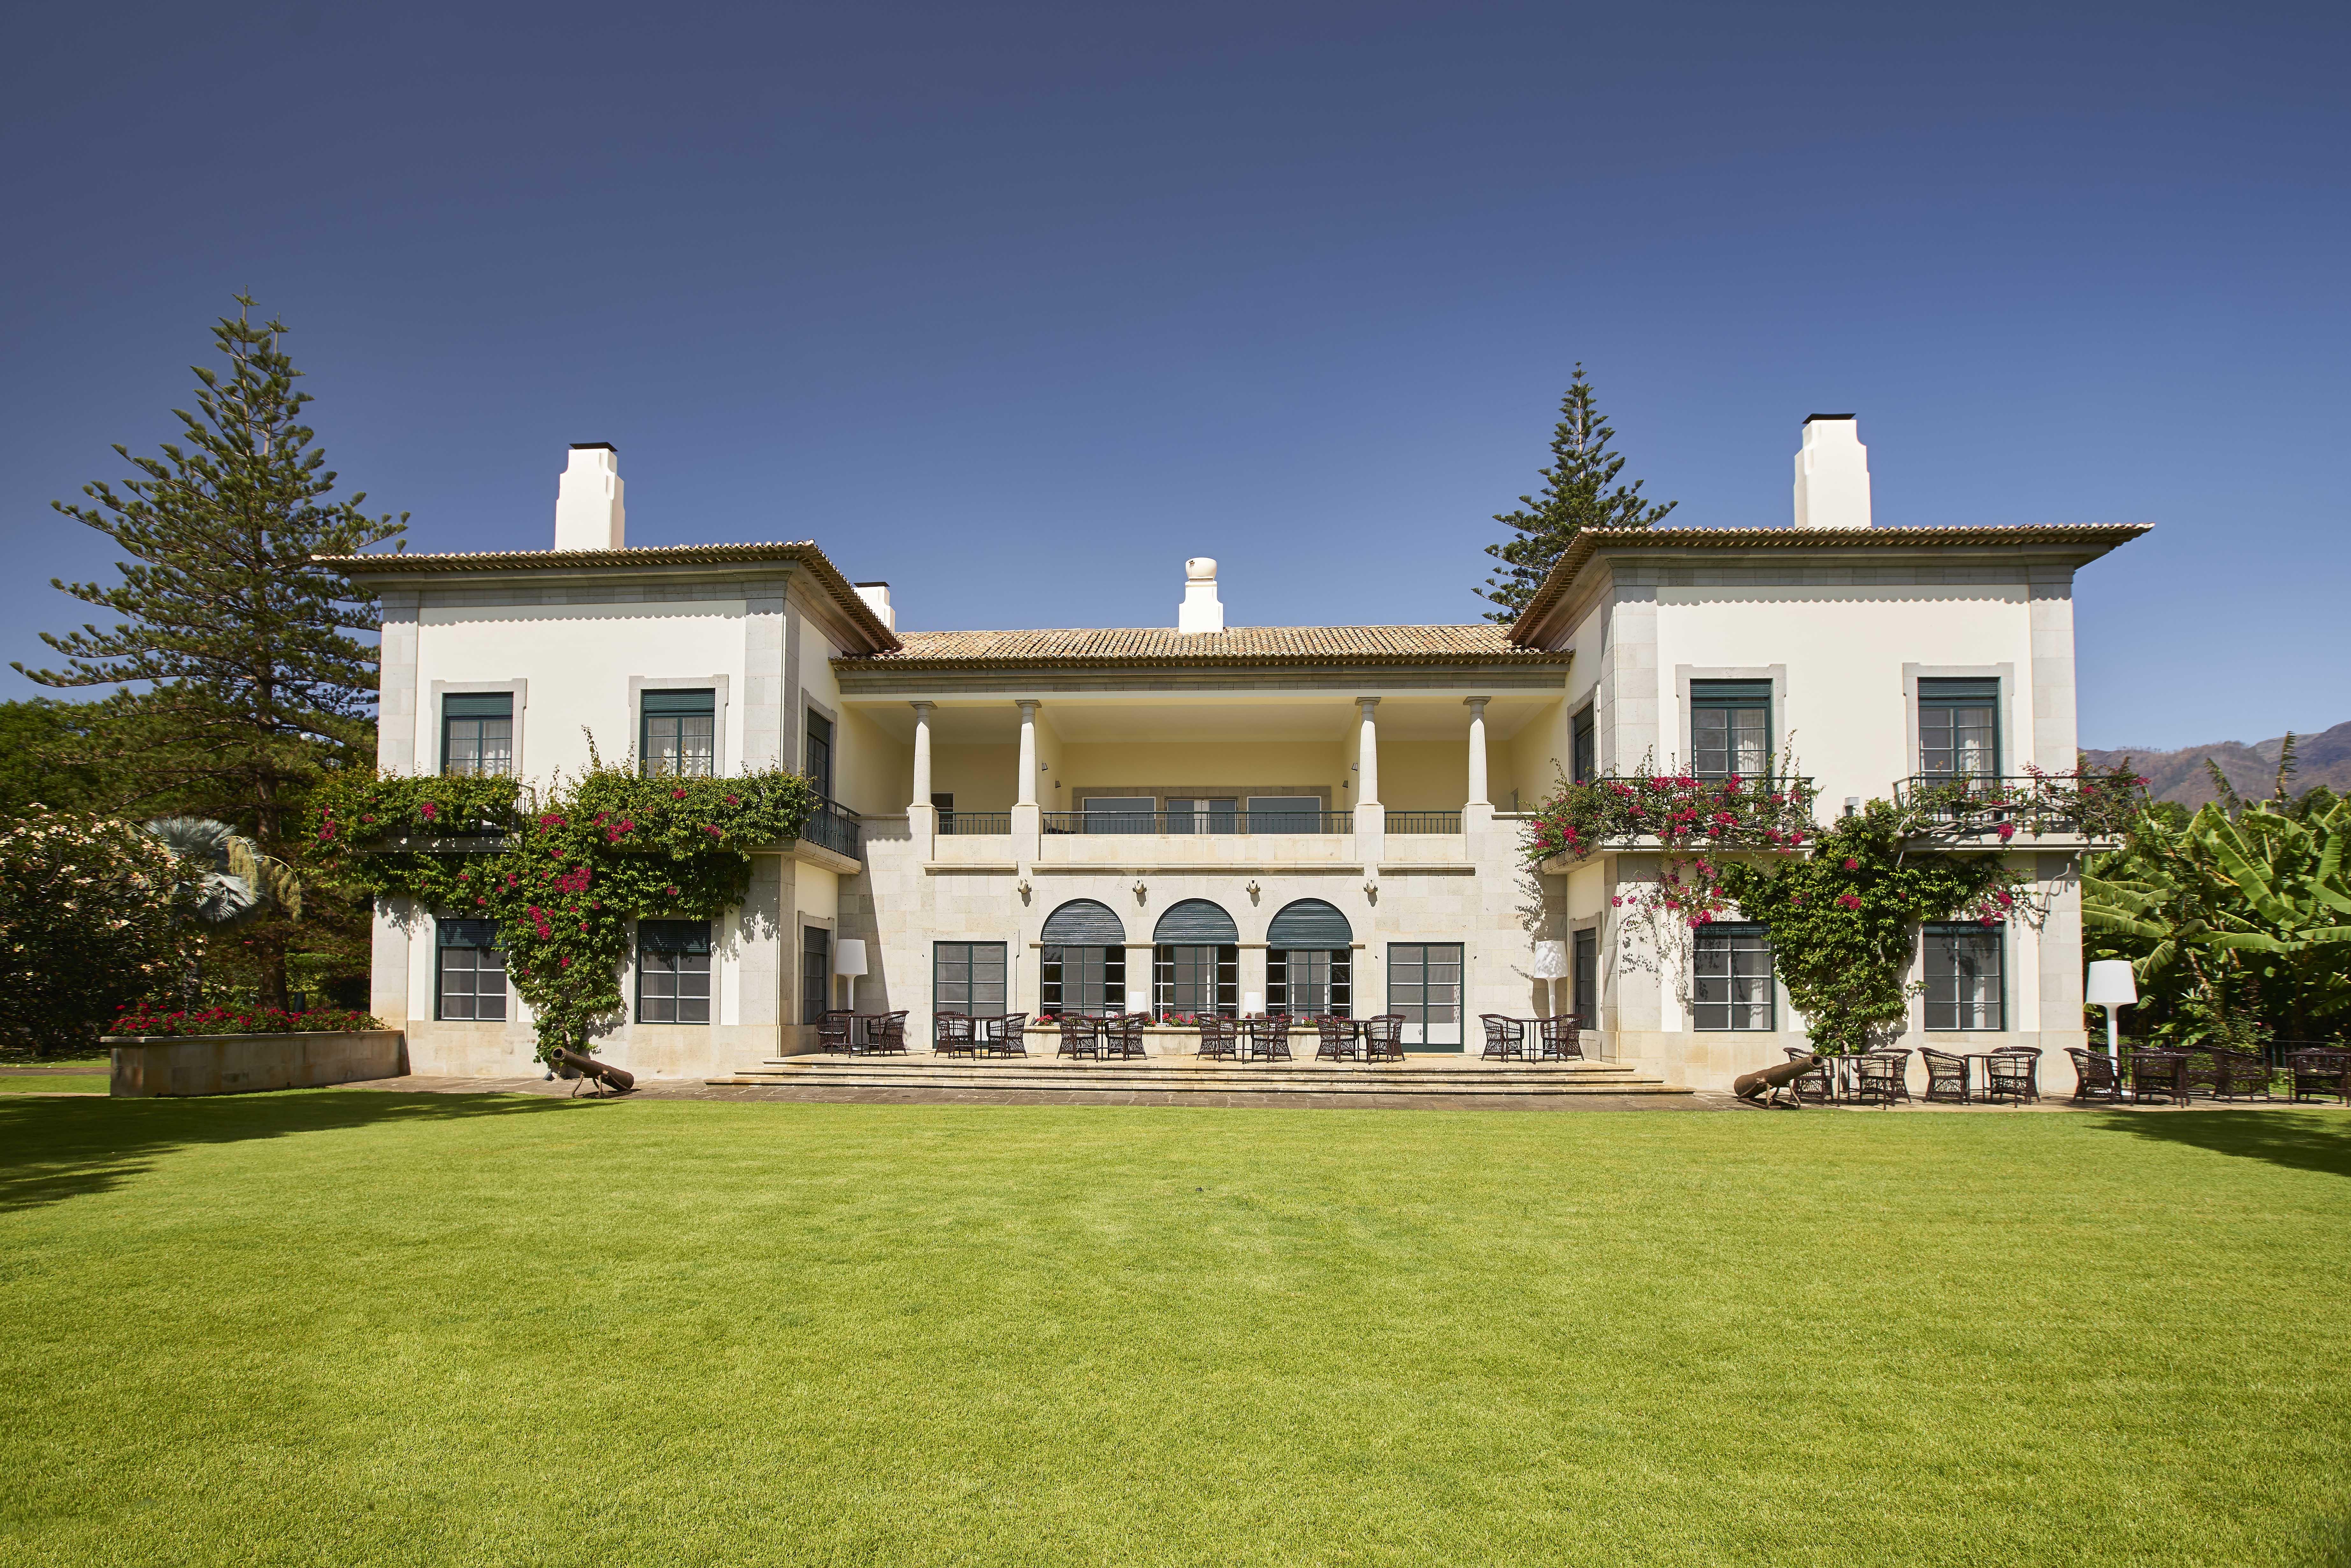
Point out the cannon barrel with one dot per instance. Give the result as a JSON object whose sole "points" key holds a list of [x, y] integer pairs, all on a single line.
{"points": [[1752, 1085], [616, 1078]]}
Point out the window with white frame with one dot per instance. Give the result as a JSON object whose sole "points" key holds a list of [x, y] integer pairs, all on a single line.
{"points": [[673, 971], [1964, 989], [1730, 986]]}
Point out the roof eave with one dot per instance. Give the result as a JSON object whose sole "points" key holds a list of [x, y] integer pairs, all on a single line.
{"points": [[667, 560], [2090, 540]]}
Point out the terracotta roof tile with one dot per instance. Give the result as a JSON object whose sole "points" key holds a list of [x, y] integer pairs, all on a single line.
{"points": [[803, 552], [2098, 537], [1483, 644]]}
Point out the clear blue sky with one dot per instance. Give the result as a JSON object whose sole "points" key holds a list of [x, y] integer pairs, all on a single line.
{"points": [[1018, 306]]}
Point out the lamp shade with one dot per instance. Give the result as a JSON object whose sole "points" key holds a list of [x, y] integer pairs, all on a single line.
{"points": [[2111, 985], [1137, 1001], [1253, 1002], [1551, 961], [849, 956]]}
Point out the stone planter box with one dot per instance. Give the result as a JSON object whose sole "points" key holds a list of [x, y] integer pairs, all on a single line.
{"points": [[146, 1066]]}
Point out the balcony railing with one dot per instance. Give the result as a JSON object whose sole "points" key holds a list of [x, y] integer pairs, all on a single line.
{"points": [[975, 821], [832, 826], [2004, 805], [1423, 821], [1201, 822]]}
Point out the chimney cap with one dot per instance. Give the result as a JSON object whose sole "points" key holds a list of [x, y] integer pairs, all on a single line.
{"points": [[877, 582], [1811, 417], [593, 446]]}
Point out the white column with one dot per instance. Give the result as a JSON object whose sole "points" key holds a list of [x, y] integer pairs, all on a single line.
{"points": [[922, 754], [1367, 762], [1477, 707], [1028, 795]]}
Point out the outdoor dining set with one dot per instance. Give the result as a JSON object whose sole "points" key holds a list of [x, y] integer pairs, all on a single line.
{"points": [[1265, 1037], [2011, 1075]]}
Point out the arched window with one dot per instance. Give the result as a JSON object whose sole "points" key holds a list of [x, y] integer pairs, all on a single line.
{"points": [[1194, 962], [1310, 962], [1084, 960]]}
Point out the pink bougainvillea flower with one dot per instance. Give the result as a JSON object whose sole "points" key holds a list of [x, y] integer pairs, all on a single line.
{"points": [[733, 800], [1617, 902], [1847, 901], [673, 892], [567, 960], [677, 794], [1851, 863], [430, 811], [2007, 831]]}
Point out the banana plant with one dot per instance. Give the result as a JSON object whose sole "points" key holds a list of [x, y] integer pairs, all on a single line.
{"points": [[233, 882], [2232, 917]]}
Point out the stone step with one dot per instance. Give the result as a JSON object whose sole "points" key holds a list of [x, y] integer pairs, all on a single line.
{"points": [[1456, 1078]]}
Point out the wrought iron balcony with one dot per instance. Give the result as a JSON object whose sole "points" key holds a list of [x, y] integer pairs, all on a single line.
{"points": [[1423, 821], [975, 821], [2004, 805], [1186, 822], [832, 826]]}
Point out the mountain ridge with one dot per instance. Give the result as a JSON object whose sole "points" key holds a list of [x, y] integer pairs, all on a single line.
{"points": [[2324, 757]]}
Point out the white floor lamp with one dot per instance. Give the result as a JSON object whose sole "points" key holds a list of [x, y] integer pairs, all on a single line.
{"points": [[2112, 987], [849, 958], [1551, 968]]}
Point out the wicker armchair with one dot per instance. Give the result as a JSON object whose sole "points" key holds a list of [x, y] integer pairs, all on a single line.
{"points": [[1123, 1035], [2320, 1071], [951, 1035], [1506, 1038], [1384, 1038], [1813, 1086], [1334, 1040], [1220, 1038], [1078, 1037], [2013, 1073], [1268, 1037], [1560, 1038], [1946, 1076], [2160, 1074], [1885, 1077], [1004, 1035], [2094, 1075], [832, 1030], [889, 1035], [2238, 1074]]}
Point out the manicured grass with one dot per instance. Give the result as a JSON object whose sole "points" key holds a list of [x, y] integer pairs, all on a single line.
{"points": [[354, 1327], [52, 1083]]}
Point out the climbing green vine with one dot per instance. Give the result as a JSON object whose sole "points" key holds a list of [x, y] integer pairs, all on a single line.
{"points": [[1844, 919], [564, 877], [1843, 906]]}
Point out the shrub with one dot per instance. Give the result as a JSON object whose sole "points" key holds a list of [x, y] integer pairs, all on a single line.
{"points": [[92, 916], [147, 1018]]}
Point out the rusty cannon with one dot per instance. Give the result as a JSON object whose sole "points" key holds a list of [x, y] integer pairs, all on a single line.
{"points": [[1774, 1085], [606, 1078]]}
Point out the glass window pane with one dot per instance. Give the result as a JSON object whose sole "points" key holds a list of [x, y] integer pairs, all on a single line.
{"points": [[1284, 813], [1730, 981], [1120, 814]]}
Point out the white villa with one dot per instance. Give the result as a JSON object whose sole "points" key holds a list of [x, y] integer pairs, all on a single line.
{"points": [[1196, 818]]}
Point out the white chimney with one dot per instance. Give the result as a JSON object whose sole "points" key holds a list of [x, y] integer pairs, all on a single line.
{"points": [[877, 594], [1201, 610], [588, 511], [1833, 475]]}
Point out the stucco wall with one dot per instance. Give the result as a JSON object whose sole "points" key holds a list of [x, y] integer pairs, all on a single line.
{"points": [[578, 661], [1844, 651]]}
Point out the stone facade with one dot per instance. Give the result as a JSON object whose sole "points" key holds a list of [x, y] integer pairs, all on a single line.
{"points": [[972, 759]]}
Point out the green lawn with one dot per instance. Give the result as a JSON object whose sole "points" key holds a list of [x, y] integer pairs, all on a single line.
{"points": [[349, 1327], [52, 1083]]}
